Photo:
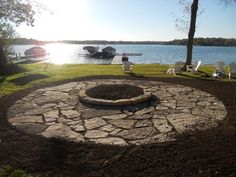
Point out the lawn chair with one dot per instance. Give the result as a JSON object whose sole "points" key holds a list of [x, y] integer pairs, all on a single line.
{"points": [[127, 66], [220, 67], [219, 70], [193, 68], [232, 70], [177, 69]]}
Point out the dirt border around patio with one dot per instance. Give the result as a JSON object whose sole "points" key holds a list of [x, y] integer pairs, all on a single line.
{"points": [[209, 153]]}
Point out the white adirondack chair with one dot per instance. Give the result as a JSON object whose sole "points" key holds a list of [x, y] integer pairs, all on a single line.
{"points": [[232, 70], [177, 69], [194, 68], [219, 70], [220, 67], [127, 66]]}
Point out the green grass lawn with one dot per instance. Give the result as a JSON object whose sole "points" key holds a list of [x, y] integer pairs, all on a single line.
{"points": [[34, 74], [8, 171]]}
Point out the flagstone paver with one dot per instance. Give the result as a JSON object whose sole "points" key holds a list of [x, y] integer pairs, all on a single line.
{"points": [[57, 112]]}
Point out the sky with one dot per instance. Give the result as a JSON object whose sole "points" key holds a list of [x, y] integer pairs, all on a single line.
{"points": [[127, 20]]}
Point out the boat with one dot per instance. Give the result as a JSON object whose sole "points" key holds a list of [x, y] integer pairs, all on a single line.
{"points": [[106, 53], [91, 49], [36, 51], [109, 52]]}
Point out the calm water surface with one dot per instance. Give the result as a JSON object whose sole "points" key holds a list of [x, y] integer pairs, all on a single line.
{"points": [[163, 54]]}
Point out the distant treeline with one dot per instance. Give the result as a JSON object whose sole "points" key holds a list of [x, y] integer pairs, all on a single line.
{"points": [[206, 42], [197, 41]]}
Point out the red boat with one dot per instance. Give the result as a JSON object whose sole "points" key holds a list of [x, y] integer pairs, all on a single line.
{"points": [[35, 52]]}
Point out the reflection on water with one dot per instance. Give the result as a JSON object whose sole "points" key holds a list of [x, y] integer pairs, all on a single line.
{"points": [[60, 53], [70, 53]]}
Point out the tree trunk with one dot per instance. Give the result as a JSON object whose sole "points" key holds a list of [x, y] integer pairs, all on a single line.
{"points": [[194, 9], [3, 58]]}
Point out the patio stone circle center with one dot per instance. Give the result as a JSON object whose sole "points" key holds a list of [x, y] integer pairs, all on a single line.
{"points": [[58, 112]]}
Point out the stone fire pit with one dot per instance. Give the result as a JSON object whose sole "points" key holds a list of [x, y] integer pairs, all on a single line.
{"points": [[60, 111], [115, 95]]}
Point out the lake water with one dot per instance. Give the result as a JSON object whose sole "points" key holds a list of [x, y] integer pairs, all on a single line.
{"points": [[163, 54]]}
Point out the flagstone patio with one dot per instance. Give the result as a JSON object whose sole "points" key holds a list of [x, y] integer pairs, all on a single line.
{"points": [[57, 112]]}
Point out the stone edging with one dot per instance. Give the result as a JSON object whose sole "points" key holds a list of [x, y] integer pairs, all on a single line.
{"points": [[83, 97]]}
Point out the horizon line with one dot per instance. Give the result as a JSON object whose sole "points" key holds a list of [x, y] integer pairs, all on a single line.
{"points": [[103, 40]]}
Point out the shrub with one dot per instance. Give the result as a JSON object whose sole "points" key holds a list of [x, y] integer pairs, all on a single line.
{"points": [[8, 171]]}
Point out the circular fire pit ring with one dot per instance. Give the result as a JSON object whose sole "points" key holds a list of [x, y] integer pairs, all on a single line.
{"points": [[114, 95]]}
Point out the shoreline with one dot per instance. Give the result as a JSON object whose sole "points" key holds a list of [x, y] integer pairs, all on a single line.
{"points": [[198, 42], [73, 54]]}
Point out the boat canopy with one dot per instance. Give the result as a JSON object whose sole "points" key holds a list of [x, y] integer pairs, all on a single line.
{"points": [[109, 50], [91, 49], [35, 51]]}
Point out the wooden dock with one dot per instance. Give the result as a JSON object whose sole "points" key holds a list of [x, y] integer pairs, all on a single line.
{"points": [[117, 60], [128, 54]]}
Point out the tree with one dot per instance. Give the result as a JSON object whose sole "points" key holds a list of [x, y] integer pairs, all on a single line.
{"points": [[13, 13], [194, 9]]}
